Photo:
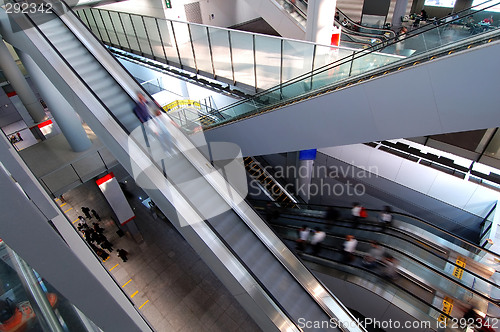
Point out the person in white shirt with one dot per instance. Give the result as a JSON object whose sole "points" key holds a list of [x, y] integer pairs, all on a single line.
{"points": [[349, 248], [385, 217], [318, 237], [304, 233]]}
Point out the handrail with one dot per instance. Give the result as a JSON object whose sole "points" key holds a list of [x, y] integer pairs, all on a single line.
{"points": [[356, 55], [416, 219], [410, 257], [215, 179], [94, 94], [351, 21], [493, 301], [366, 270]]}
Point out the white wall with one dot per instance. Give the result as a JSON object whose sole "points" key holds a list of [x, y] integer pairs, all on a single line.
{"points": [[463, 194], [142, 7], [226, 12]]}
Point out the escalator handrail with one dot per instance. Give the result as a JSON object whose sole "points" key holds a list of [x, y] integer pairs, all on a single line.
{"points": [[263, 234], [366, 270], [434, 270], [357, 54], [351, 22], [467, 242], [126, 131]]}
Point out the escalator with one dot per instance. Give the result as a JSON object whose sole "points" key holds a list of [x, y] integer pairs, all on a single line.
{"points": [[427, 269], [273, 285], [374, 83], [430, 253]]}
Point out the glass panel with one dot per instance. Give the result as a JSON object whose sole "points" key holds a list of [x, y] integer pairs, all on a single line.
{"points": [[268, 59], [201, 48], [184, 44], [142, 35], [119, 30], [219, 40], [129, 31], [89, 166], [297, 58], [109, 27], [242, 48], [65, 177], [168, 40], [101, 25], [154, 37]]}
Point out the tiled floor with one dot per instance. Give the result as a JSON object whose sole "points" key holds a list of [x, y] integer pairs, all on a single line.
{"points": [[174, 289]]}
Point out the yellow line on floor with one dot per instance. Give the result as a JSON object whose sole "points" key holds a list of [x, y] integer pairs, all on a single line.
{"points": [[114, 266], [63, 204], [143, 304], [57, 199], [127, 283], [134, 294], [68, 210], [76, 220]]}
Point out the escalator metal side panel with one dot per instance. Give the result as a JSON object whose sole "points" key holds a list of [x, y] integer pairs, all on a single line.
{"points": [[206, 243], [231, 196]]}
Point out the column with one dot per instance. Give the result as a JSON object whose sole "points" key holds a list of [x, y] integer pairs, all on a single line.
{"points": [[320, 20], [61, 110], [26, 95], [304, 174], [399, 10]]}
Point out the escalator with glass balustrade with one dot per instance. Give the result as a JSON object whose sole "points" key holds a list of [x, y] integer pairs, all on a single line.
{"points": [[269, 280], [427, 262], [356, 80]]}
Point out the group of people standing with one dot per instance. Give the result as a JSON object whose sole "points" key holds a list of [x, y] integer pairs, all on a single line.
{"points": [[94, 235], [375, 258]]}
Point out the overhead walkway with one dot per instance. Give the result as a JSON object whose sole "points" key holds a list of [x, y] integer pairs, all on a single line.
{"points": [[430, 267], [267, 278], [358, 96]]}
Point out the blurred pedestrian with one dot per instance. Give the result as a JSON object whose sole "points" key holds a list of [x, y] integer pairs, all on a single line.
{"points": [[332, 214], [385, 217], [86, 212], [122, 253], [374, 255], [303, 239], [317, 237], [390, 269], [94, 212], [350, 245]]}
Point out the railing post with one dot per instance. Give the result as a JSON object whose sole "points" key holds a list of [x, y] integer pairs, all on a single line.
{"points": [[114, 29], [124, 31], [192, 48], [176, 46], [161, 40], [254, 61], [211, 53], [95, 22], [352, 62], [147, 37], [104, 25], [231, 55], [136, 36]]}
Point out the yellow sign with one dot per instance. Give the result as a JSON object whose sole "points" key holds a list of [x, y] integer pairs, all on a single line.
{"points": [[447, 307], [457, 271], [175, 105]]}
